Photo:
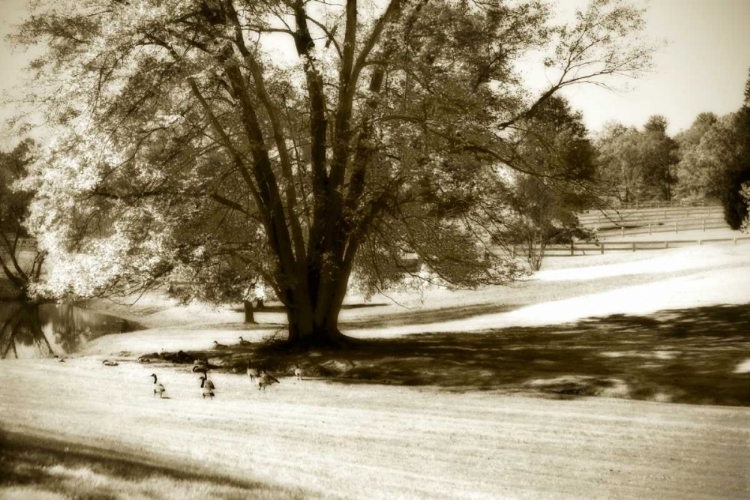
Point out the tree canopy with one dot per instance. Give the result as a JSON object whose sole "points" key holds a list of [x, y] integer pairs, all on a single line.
{"points": [[305, 139], [736, 171], [638, 165], [700, 152], [561, 164]]}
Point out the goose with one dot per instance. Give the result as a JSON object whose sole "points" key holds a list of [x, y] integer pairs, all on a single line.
{"points": [[251, 372], [219, 346], [298, 372], [107, 362], [244, 342], [207, 387], [264, 380], [158, 388], [200, 369]]}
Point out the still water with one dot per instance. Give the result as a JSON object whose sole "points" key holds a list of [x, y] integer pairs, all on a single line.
{"points": [[41, 331]]}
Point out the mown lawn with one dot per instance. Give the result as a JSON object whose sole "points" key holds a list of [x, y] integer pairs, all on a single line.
{"points": [[685, 356], [35, 468]]}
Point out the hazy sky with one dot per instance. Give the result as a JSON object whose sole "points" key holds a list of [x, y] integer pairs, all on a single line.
{"points": [[703, 68]]}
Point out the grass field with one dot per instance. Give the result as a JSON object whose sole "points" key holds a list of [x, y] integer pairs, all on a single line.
{"points": [[569, 385]]}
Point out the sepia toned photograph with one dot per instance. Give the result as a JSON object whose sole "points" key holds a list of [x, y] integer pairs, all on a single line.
{"points": [[374, 249]]}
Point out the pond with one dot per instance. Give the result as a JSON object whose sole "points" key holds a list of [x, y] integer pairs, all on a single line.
{"points": [[46, 330]]}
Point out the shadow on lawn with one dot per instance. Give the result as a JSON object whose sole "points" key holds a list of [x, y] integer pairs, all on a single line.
{"points": [[39, 468], [427, 316], [277, 308], [687, 356]]}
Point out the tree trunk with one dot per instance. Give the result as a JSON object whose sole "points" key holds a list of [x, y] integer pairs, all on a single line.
{"points": [[249, 312], [307, 333]]}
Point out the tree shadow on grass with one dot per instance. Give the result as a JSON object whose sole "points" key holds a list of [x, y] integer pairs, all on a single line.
{"points": [[427, 316], [35, 467], [686, 356], [277, 308]]}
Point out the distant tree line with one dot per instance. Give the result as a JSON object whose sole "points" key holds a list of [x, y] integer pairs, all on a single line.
{"points": [[708, 161]]}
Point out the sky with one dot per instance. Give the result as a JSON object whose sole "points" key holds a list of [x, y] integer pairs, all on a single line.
{"points": [[703, 67]]}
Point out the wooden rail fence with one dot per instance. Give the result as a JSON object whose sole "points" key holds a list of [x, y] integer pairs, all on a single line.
{"points": [[588, 248], [665, 227]]}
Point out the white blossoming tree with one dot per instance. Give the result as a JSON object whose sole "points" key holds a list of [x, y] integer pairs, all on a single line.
{"points": [[308, 140]]}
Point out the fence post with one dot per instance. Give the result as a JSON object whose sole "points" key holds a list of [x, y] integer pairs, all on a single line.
{"points": [[700, 243], [622, 231], [666, 244], [634, 246], [602, 245], [735, 241], [572, 248], [704, 225]]}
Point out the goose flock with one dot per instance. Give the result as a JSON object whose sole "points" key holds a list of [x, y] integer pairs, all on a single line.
{"points": [[258, 375]]}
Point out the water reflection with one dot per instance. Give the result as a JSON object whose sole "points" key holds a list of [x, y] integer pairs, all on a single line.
{"points": [[40, 331]]}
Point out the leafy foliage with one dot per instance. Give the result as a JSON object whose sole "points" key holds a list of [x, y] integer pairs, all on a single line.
{"points": [[185, 137], [20, 270], [701, 149], [560, 161], [638, 165], [745, 192], [736, 171]]}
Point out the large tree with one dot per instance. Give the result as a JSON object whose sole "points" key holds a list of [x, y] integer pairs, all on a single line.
{"points": [[330, 138]]}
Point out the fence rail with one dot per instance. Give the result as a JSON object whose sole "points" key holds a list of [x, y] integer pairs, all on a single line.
{"points": [[618, 218], [666, 227], [588, 248], [670, 203]]}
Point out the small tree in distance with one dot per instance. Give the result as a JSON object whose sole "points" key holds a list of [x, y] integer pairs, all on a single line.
{"points": [[638, 165], [559, 183]]}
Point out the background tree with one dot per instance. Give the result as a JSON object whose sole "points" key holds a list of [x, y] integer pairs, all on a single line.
{"points": [[560, 161], [736, 170], [658, 158], [699, 166], [217, 282], [386, 133], [638, 165], [619, 160], [745, 192], [21, 263]]}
